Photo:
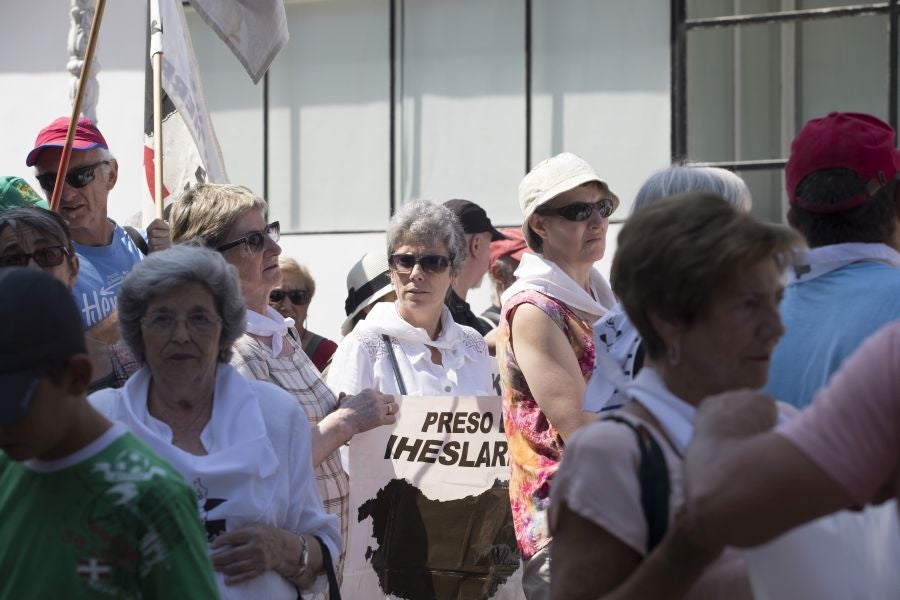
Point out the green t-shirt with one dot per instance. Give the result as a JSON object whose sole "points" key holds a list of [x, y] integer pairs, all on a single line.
{"points": [[112, 520]]}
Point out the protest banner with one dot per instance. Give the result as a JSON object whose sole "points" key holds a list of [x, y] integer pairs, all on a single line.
{"points": [[429, 505]]}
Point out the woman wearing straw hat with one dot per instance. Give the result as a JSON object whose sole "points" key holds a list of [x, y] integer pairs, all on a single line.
{"points": [[544, 345], [368, 282]]}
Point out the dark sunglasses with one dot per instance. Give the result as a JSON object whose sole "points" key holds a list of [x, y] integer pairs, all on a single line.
{"points": [[50, 256], [297, 297], [77, 177], [255, 240], [430, 263], [580, 211]]}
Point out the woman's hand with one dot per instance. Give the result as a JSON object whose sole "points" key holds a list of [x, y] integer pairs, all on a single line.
{"points": [[367, 410], [249, 552]]}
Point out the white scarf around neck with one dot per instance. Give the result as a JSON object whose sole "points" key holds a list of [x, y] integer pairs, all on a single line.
{"points": [[269, 324], [825, 259], [384, 319], [543, 275]]}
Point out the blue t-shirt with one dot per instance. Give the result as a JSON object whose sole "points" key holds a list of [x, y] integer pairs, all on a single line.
{"points": [[826, 319], [102, 270]]}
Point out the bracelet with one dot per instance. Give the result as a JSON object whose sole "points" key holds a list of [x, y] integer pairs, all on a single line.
{"points": [[304, 559]]}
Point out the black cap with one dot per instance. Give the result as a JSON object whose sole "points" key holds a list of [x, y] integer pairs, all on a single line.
{"points": [[41, 327], [473, 218]]}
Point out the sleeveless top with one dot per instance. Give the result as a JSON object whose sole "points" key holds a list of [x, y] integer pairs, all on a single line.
{"points": [[535, 446]]}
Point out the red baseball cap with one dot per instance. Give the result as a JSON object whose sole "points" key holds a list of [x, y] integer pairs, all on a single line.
{"points": [[87, 136], [854, 141], [513, 246]]}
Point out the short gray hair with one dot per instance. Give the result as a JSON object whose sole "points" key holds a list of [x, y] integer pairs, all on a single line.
{"points": [[163, 271], [681, 180], [208, 210], [423, 222]]}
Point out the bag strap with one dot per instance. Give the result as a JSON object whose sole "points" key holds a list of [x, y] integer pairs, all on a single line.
{"points": [[139, 241], [653, 475], [334, 590], [390, 349]]}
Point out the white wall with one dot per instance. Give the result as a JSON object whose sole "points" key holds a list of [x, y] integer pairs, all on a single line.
{"points": [[601, 88], [35, 87]]}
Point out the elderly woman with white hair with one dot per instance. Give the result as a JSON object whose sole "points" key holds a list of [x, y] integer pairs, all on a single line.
{"points": [[544, 344], [244, 445], [412, 346], [619, 353]]}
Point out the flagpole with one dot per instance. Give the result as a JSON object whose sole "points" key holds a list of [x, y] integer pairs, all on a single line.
{"points": [[157, 136], [76, 108]]}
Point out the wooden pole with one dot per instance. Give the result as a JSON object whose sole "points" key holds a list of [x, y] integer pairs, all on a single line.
{"points": [[76, 108], [157, 135]]}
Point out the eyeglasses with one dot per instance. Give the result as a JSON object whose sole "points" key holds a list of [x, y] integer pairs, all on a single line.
{"points": [[297, 297], [430, 263], [77, 177], [199, 323], [580, 211], [255, 240], [50, 256]]}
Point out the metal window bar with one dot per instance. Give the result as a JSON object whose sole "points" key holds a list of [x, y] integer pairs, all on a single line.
{"points": [[680, 25]]}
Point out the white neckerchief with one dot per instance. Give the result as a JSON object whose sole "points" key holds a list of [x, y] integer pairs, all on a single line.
{"points": [[538, 273], [819, 261], [269, 324], [384, 319], [240, 464], [674, 415], [615, 344]]}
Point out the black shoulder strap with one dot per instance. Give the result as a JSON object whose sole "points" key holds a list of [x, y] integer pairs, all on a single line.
{"points": [[653, 474], [390, 349], [334, 590], [135, 236]]}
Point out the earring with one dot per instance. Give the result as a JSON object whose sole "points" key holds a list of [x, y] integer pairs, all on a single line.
{"points": [[674, 353]]}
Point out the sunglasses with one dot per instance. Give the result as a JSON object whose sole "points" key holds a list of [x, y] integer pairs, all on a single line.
{"points": [[580, 211], [77, 177], [255, 240], [430, 263], [297, 297], [45, 257]]}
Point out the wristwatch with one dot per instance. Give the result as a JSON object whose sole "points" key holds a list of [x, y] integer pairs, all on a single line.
{"points": [[304, 557]]}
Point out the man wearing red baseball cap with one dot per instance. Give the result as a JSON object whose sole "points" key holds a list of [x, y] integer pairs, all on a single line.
{"points": [[842, 185], [107, 252]]}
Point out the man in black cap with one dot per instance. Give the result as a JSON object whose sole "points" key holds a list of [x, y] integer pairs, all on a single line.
{"points": [[88, 510], [479, 235]]}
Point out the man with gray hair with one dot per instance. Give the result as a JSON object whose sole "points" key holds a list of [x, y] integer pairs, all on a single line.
{"points": [[842, 184], [479, 235], [107, 251]]}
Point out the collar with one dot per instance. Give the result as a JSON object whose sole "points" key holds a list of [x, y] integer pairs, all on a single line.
{"points": [[271, 324], [825, 259], [384, 319], [538, 273]]}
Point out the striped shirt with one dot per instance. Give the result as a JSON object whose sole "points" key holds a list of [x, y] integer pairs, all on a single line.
{"points": [[298, 376]]}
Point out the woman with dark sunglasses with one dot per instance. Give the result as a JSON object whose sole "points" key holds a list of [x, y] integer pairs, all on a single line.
{"points": [[231, 220], [413, 346], [544, 343], [292, 299]]}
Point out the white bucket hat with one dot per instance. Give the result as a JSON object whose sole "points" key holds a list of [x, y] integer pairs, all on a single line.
{"points": [[550, 178], [367, 282]]}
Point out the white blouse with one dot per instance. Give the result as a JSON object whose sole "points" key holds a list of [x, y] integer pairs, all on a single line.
{"points": [[362, 360], [258, 466]]}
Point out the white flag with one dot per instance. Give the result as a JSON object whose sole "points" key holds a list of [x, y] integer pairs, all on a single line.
{"points": [[190, 148], [255, 30]]}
